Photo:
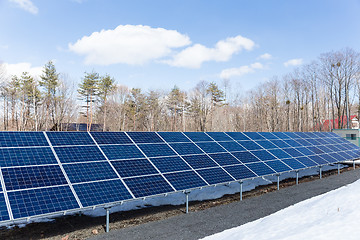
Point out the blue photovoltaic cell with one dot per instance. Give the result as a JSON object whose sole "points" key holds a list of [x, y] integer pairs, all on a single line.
{"points": [[294, 164], [260, 168], [249, 145], [219, 136], [145, 137], [26, 156], [292, 142], [313, 141], [198, 136], [137, 167], [22, 139], [31, 177], [318, 160], [224, 159], [304, 151], [342, 148], [278, 166], [322, 141], [185, 180], [199, 161], [281, 154], [303, 142], [281, 135], [293, 152], [306, 161], [4, 215], [33, 202], [328, 158], [79, 154], [69, 138], [263, 155], [301, 134], [172, 137], [334, 148], [170, 164], [240, 172], [291, 135], [245, 157], [211, 147], [148, 185], [86, 172], [266, 144], [111, 137], [238, 136], [185, 148], [215, 175], [254, 135], [268, 135], [232, 146], [101, 192], [330, 141], [337, 156], [121, 151], [315, 150], [156, 150], [325, 149], [280, 143]]}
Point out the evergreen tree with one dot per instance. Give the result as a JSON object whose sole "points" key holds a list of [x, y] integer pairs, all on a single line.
{"points": [[50, 82], [88, 89]]}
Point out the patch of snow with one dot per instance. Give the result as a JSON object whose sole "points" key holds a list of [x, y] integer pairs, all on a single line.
{"points": [[332, 215]]}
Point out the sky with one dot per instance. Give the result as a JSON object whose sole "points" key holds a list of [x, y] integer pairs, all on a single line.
{"points": [[159, 44]]}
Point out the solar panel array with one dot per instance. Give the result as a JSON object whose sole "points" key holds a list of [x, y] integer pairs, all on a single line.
{"points": [[51, 172]]}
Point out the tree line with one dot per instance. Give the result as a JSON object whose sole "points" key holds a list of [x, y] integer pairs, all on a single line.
{"points": [[327, 88]]}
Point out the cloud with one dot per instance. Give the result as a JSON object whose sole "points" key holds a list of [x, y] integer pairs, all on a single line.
{"points": [[26, 5], [18, 68], [266, 56], [240, 71], [293, 62], [128, 44], [194, 56]]}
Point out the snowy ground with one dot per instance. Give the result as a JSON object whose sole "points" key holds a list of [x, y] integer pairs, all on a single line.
{"points": [[196, 195], [333, 215]]}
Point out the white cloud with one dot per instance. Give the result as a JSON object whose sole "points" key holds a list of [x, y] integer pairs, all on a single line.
{"points": [[128, 44], [26, 5], [18, 68], [194, 56], [240, 71], [293, 62], [266, 56]]}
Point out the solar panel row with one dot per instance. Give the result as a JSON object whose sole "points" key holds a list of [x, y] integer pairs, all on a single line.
{"points": [[48, 172]]}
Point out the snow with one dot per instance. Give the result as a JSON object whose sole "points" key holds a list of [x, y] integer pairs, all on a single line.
{"points": [[333, 215], [178, 198]]}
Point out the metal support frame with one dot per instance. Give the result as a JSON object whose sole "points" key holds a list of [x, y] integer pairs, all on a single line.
{"points": [[187, 201], [241, 190], [297, 177], [338, 165], [107, 218], [354, 164], [278, 181], [320, 171]]}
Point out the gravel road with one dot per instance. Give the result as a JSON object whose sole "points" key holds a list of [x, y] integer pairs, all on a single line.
{"points": [[199, 224]]}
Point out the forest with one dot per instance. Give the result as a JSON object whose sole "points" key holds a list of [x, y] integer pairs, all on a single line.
{"points": [[327, 88]]}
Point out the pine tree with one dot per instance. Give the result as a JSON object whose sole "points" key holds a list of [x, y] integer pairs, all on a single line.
{"points": [[88, 90]]}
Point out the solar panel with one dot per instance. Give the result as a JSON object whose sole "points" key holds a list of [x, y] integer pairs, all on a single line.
{"points": [[52, 172]]}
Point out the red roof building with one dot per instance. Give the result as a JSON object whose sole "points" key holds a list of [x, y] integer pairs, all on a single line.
{"points": [[327, 125]]}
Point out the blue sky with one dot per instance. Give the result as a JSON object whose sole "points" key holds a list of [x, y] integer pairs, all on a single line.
{"points": [[159, 44]]}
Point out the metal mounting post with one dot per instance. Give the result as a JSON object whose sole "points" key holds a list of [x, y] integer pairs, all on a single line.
{"points": [[187, 201], [297, 177], [320, 172], [278, 181], [241, 190], [354, 164], [107, 218], [338, 165]]}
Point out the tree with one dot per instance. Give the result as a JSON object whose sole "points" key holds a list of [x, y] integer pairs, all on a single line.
{"points": [[88, 90], [50, 82], [105, 87], [175, 103]]}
